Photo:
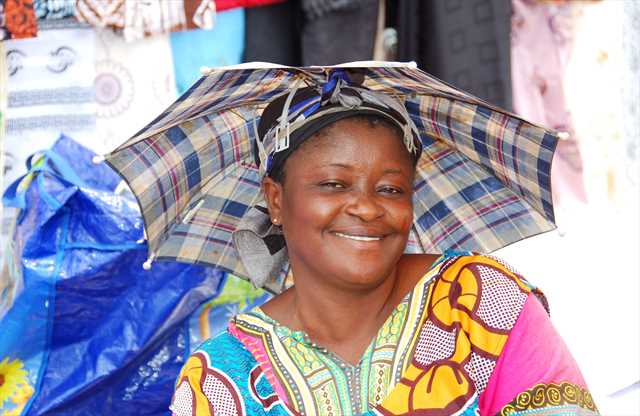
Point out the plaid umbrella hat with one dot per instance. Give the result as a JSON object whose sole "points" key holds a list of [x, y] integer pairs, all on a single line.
{"points": [[482, 182]]}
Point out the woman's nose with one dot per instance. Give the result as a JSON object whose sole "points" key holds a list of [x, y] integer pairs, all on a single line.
{"points": [[364, 205]]}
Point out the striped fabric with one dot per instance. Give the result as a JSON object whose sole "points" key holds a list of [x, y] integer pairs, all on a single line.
{"points": [[483, 179]]}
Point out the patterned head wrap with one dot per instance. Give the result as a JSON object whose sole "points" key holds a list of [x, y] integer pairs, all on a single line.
{"points": [[292, 118], [284, 125]]}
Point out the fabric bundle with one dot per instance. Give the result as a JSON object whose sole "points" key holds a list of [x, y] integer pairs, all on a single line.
{"points": [[138, 19], [54, 9], [542, 38], [17, 19]]}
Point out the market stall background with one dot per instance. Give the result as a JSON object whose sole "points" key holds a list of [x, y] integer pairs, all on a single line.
{"points": [[97, 74]]}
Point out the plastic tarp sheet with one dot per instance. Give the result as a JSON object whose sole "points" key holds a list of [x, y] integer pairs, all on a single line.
{"points": [[84, 329]]}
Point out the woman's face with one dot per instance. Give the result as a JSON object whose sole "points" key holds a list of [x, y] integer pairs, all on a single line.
{"points": [[346, 204]]}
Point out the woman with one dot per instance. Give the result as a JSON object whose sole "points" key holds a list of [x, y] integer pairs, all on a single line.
{"points": [[367, 329]]}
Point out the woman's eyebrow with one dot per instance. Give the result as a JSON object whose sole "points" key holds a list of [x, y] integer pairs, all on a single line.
{"points": [[339, 165], [389, 171], [393, 171]]}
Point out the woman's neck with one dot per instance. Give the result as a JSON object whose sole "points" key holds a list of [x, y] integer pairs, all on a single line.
{"points": [[342, 321], [345, 320], [334, 315]]}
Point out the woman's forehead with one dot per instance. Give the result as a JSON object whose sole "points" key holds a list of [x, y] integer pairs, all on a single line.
{"points": [[354, 140]]}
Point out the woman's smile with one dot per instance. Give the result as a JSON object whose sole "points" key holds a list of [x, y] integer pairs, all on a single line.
{"points": [[355, 237]]}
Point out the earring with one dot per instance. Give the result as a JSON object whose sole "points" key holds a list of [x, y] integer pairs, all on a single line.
{"points": [[275, 221]]}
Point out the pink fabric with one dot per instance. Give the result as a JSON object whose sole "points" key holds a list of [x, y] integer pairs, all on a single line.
{"points": [[534, 354], [541, 43]]}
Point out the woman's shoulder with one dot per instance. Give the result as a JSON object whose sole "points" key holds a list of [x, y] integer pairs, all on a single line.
{"points": [[485, 268], [488, 271], [484, 286]]}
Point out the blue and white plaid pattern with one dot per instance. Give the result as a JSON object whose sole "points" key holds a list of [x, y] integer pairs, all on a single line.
{"points": [[483, 179]]}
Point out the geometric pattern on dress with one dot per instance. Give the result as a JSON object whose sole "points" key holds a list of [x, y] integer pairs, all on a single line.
{"points": [[182, 400], [506, 265], [552, 399], [480, 369], [221, 393], [254, 379], [501, 300], [434, 344]]}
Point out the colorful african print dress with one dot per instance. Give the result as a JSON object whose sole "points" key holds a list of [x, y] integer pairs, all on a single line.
{"points": [[472, 338]]}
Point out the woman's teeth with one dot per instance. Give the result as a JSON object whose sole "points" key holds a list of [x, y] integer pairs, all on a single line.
{"points": [[358, 237]]}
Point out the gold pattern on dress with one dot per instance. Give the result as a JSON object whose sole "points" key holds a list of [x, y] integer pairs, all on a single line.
{"points": [[550, 395]]}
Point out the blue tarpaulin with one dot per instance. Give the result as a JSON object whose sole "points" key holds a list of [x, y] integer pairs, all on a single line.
{"points": [[84, 329]]}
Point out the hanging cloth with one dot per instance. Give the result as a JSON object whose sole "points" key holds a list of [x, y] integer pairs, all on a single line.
{"points": [[541, 44], [336, 31], [461, 42]]}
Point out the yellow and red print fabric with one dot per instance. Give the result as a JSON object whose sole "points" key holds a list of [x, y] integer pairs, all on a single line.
{"points": [[472, 307]]}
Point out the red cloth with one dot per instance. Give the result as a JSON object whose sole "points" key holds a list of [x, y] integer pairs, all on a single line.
{"points": [[232, 4], [20, 19]]}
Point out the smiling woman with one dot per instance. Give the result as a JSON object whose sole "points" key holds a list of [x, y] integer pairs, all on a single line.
{"points": [[345, 209], [367, 328]]}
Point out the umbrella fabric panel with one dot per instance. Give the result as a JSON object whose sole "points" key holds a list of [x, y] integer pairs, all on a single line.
{"points": [[518, 154], [215, 92], [171, 172], [460, 205], [410, 82], [207, 237]]}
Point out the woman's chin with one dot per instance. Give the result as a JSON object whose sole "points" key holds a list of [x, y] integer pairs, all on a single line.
{"points": [[361, 278]]}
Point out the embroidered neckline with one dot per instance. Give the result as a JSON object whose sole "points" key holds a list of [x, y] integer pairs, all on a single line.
{"points": [[283, 332]]}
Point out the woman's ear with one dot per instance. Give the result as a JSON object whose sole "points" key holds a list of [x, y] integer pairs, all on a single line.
{"points": [[273, 196]]}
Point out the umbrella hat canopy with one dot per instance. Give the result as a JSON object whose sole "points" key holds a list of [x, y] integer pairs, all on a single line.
{"points": [[482, 181]]}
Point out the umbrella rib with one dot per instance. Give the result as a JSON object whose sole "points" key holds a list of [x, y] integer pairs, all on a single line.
{"points": [[185, 178], [230, 242], [204, 189]]}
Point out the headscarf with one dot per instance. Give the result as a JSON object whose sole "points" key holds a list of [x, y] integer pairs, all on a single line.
{"points": [[291, 119]]}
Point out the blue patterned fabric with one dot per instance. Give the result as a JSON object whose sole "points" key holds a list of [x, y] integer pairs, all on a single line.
{"points": [[225, 361]]}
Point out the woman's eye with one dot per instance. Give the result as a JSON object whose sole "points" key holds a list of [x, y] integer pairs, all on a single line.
{"points": [[332, 184], [390, 190]]}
